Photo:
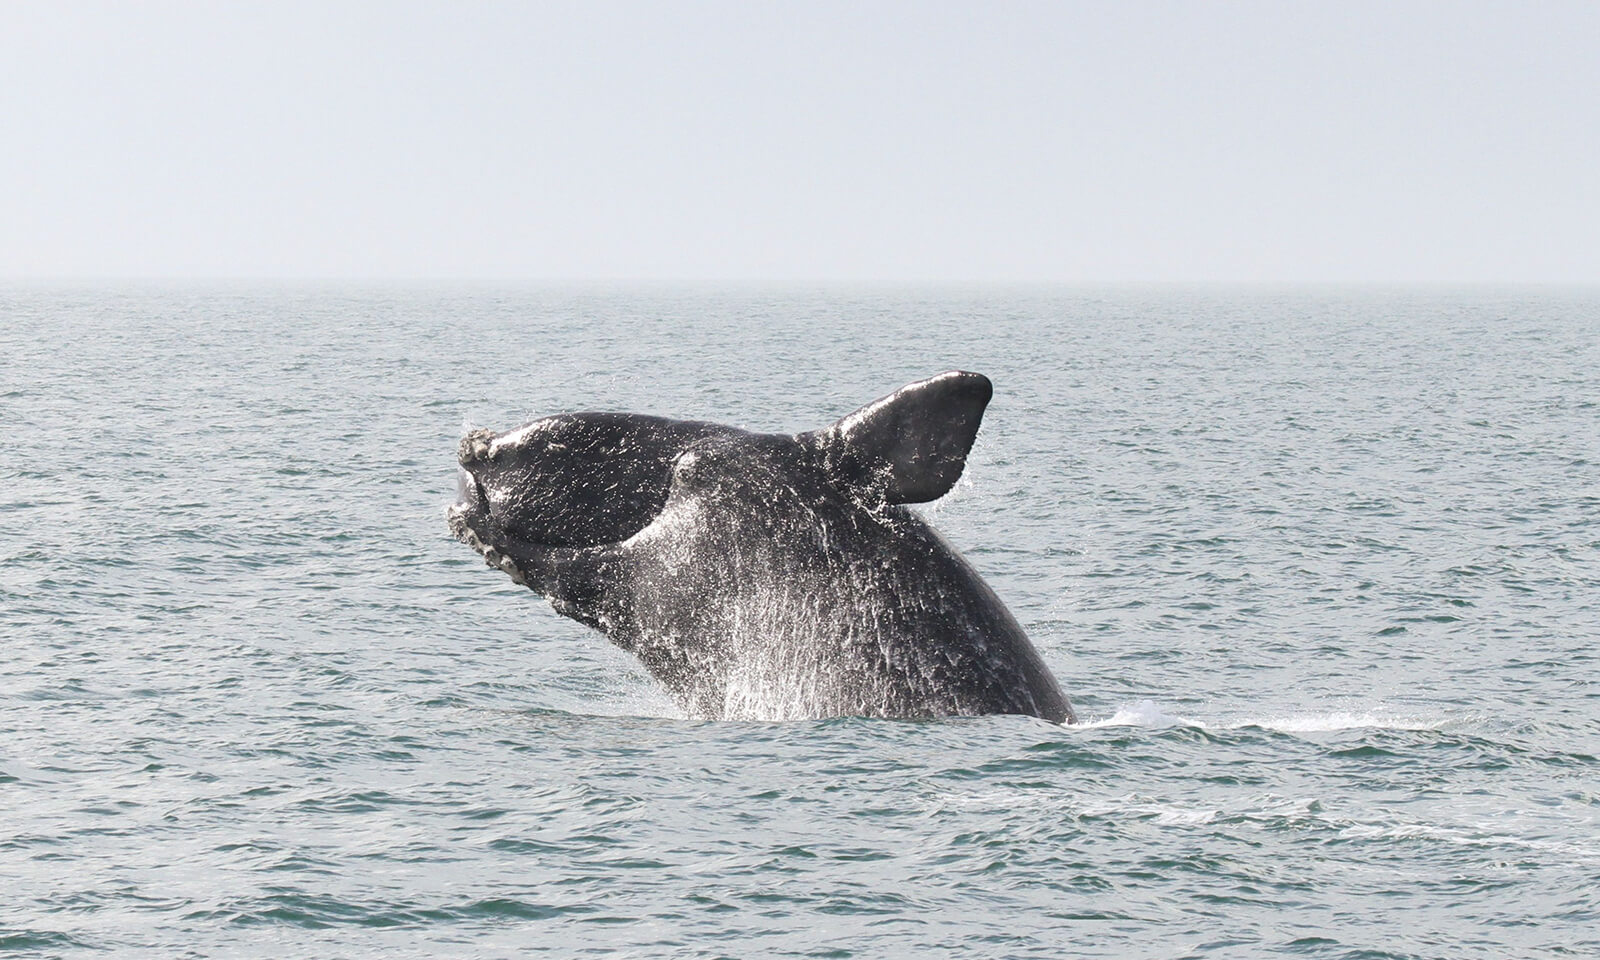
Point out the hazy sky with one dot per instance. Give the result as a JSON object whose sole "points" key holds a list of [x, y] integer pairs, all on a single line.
{"points": [[1281, 141]]}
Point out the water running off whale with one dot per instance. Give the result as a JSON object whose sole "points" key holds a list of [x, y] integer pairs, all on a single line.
{"points": [[763, 576]]}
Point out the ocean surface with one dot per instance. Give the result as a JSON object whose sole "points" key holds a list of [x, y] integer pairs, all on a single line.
{"points": [[1320, 570]]}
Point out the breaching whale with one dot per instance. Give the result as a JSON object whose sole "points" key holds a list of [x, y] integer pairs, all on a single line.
{"points": [[763, 576]]}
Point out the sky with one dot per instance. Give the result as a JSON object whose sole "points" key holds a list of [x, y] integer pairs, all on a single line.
{"points": [[1054, 142]]}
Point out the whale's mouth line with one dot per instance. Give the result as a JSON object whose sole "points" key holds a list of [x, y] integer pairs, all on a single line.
{"points": [[461, 527], [472, 521], [469, 517]]}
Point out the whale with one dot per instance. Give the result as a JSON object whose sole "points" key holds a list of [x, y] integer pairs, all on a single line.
{"points": [[763, 576]]}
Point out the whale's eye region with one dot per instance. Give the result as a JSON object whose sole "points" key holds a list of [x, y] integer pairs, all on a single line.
{"points": [[582, 479]]}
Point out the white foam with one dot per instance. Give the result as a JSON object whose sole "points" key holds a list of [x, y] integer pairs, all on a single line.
{"points": [[1147, 713]]}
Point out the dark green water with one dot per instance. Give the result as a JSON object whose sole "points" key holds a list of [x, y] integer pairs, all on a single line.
{"points": [[1319, 569]]}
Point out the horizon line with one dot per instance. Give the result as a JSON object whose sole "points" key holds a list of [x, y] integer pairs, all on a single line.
{"points": [[770, 282]]}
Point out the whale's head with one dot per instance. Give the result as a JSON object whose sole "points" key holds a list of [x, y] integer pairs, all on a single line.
{"points": [[572, 480]]}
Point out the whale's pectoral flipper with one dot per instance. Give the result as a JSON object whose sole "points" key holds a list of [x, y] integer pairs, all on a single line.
{"points": [[911, 446]]}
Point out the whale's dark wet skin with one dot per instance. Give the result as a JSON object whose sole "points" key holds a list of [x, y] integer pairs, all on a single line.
{"points": [[763, 576]]}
